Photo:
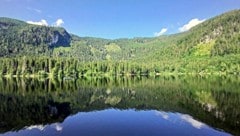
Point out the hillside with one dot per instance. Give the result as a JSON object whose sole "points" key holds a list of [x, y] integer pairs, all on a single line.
{"points": [[18, 38], [209, 48], [218, 36]]}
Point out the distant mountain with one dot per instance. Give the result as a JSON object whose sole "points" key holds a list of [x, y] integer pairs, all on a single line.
{"points": [[218, 36], [212, 47], [18, 37]]}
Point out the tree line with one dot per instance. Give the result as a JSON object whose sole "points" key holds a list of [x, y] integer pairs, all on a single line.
{"points": [[70, 67]]}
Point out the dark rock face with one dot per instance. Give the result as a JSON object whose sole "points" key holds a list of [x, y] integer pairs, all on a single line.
{"points": [[59, 39], [3, 25]]}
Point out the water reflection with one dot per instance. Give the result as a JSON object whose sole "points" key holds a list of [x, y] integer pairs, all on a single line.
{"points": [[118, 123], [29, 102]]}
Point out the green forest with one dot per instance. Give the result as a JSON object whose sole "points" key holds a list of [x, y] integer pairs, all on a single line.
{"points": [[210, 48]]}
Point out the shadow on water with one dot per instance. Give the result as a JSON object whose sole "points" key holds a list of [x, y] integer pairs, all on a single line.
{"points": [[212, 100]]}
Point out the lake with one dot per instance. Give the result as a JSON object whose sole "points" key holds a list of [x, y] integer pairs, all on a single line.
{"points": [[134, 106]]}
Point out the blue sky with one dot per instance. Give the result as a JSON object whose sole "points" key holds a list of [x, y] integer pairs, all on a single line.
{"points": [[117, 18]]}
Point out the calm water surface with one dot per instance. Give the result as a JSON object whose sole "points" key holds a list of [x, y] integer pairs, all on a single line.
{"points": [[119, 123], [120, 106]]}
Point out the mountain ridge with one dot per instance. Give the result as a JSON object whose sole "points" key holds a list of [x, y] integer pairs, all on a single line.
{"points": [[214, 30], [209, 48]]}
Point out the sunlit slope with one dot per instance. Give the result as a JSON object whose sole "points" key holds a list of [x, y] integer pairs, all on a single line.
{"points": [[219, 36], [208, 48]]}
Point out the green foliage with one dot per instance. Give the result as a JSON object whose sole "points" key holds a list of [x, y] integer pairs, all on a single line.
{"points": [[209, 48], [18, 38], [112, 48], [203, 49]]}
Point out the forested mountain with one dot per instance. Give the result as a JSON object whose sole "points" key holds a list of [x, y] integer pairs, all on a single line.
{"points": [[211, 47], [18, 38], [218, 36]]}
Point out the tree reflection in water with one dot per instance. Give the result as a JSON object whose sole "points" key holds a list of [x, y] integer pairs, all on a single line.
{"points": [[29, 102]]}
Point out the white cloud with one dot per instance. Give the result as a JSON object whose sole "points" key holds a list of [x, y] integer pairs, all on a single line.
{"points": [[39, 127], [58, 126], [59, 23], [191, 121], [190, 24], [38, 10], [42, 22], [164, 115], [34, 9], [164, 30]]}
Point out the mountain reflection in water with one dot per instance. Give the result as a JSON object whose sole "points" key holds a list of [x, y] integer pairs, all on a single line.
{"points": [[115, 122], [186, 105]]}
